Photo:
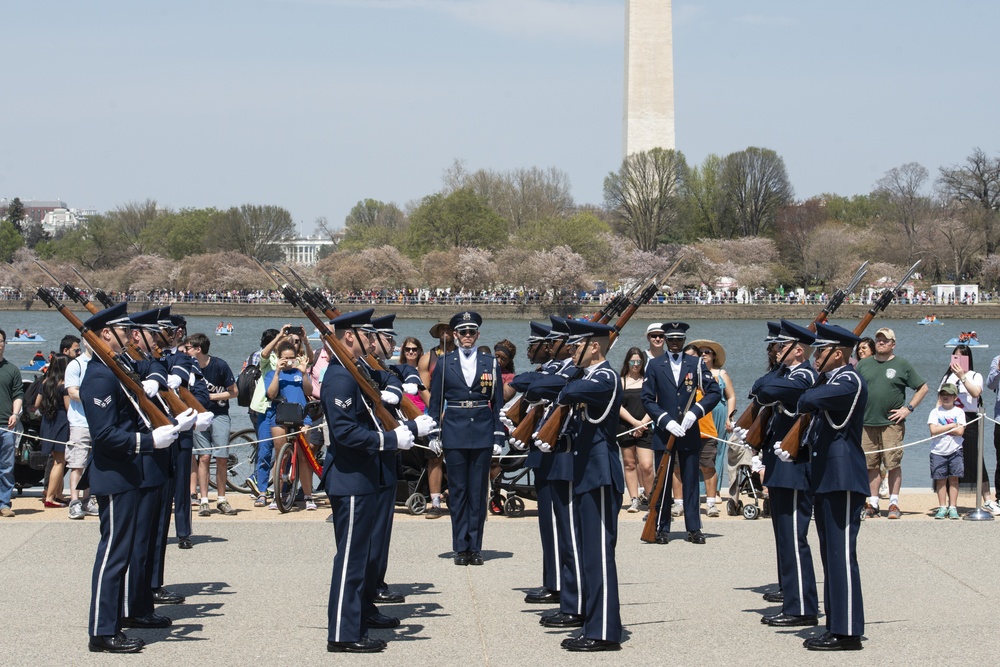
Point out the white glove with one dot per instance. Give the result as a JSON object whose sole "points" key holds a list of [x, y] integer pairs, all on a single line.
{"points": [[389, 398], [203, 421], [508, 424], [404, 437], [517, 444], [740, 434], [543, 446], [676, 429], [435, 446], [164, 436], [186, 419], [781, 453], [410, 388], [689, 420], [425, 424], [174, 381], [150, 387], [497, 450], [756, 465]]}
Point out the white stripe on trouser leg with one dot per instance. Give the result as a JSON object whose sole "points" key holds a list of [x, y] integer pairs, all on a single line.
{"points": [[847, 562], [125, 609], [576, 553], [798, 557], [104, 564], [663, 491], [604, 568], [555, 544], [343, 573]]}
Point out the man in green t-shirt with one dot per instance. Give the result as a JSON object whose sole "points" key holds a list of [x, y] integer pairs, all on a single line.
{"points": [[888, 378]]}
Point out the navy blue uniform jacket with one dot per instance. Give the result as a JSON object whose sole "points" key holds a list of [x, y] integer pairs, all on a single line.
{"points": [[468, 428], [118, 434], [783, 391], [592, 427], [665, 400], [834, 435], [353, 464], [545, 386]]}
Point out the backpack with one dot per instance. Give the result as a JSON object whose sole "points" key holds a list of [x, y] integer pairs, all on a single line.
{"points": [[246, 383]]}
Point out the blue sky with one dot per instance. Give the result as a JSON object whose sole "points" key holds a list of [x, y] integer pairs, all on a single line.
{"points": [[315, 104]]}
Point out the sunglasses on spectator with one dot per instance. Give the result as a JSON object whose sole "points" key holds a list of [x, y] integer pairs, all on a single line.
{"points": [[656, 336], [635, 362], [704, 352], [411, 349]]}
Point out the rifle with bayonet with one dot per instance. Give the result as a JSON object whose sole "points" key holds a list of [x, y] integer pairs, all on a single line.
{"points": [[103, 352], [318, 300], [756, 417], [790, 443], [337, 348]]}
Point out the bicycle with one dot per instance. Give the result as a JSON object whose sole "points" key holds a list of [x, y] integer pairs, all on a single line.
{"points": [[242, 461], [286, 475]]}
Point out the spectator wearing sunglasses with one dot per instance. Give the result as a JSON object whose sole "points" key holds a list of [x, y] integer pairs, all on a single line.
{"points": [[656, 339]]}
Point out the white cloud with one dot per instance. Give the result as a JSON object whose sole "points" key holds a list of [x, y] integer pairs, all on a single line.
{"points": [[599, 21]]}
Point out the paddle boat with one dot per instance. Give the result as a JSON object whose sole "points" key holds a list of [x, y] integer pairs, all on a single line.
{"points": [[25, 337], [930, 319], [224, 329], [37, 363], [968, 338]]}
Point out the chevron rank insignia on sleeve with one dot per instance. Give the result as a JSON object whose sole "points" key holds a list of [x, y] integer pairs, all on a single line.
{"points": [[343, 405], [102, 404]]}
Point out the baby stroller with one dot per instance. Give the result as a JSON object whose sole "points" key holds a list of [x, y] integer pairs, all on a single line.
{"points": [[514, 483], [746, 482], [412, 488]]}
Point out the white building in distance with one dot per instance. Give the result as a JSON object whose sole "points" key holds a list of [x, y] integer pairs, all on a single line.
{"points": [[305, 249], [649, 76]]}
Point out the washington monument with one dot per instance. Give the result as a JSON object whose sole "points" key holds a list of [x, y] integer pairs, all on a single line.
{"points": [[649, 76]]}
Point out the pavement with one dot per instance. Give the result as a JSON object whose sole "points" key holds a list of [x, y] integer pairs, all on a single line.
{"points": [[257, 586]]}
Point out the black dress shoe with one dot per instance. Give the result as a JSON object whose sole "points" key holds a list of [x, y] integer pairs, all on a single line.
{"points": [[789, 621], [475, 558], [147, 621], [124, 638], [695, 537], [462, 558], [562, 620], [163, 596], [573, 637], [584, 644], [364, 645], [544, 596], [185, 543], [118, 643], [832, 642], [388, 597], [662, 538], [381, 621], [774, 597]]}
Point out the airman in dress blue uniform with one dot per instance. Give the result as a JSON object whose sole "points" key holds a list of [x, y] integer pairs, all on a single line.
{"points": [[788, 482], [352, 476], [839, 483], [671, 380], [597, 485], [121, 438], [468, 385]]}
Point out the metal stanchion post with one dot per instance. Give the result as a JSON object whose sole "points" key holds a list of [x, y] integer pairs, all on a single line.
{"points": [[979, 514]]}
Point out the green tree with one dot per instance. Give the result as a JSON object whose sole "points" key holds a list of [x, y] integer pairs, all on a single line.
{"points": [[15, 213], [643, 196], [180, 234], [458, 220], [254, 231], [372, 224], [757, 187], [976, 184], [584, 233], [858, 210], [10, 240], [130, 221], [705, 200]]}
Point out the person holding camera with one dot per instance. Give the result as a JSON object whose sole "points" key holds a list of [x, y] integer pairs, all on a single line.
{"points": [[290, 381]]}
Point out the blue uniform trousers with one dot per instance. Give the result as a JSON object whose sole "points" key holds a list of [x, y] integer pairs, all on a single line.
{"points": [[468, 485], [163, 521], [353, 520], [687, 459], [548, 531], [596, 514], [182, 490], [791, 511], [838, 519], [114, 551], [139, 594], [567, 529], [378, 556]]}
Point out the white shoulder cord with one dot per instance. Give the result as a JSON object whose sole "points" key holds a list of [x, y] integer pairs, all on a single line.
{"points": [[607, 410], [837, 427]]}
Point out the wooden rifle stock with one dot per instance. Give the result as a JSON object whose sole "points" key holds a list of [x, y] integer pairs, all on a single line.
{"points": [[659, 485], [338, 349], [156, 416]]}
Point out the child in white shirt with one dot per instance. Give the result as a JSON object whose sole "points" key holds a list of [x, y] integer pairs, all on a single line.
{"points": [[947, 425]]}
